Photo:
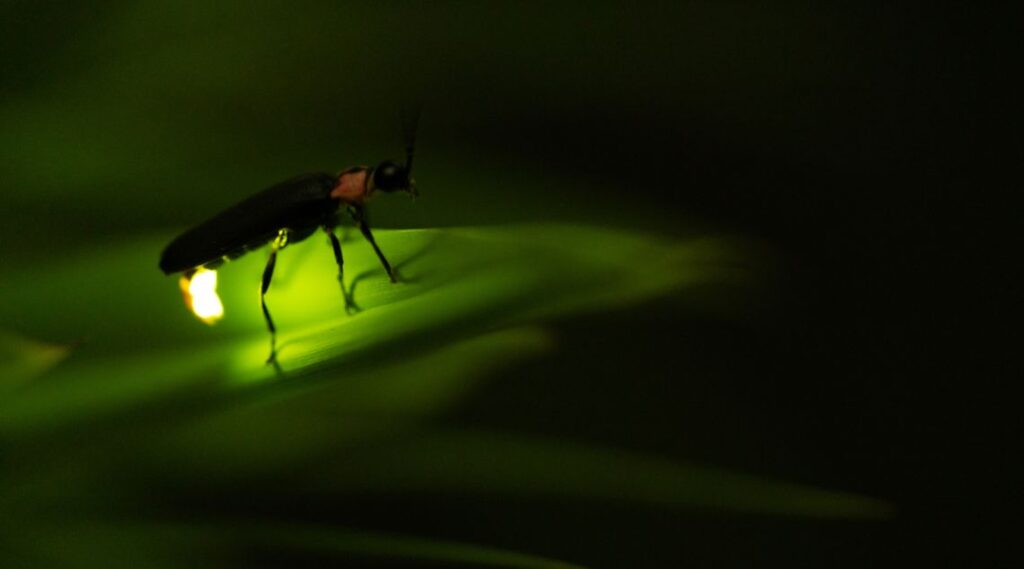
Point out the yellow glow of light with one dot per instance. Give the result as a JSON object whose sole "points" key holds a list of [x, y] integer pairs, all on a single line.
{"points": [[200, 293]]}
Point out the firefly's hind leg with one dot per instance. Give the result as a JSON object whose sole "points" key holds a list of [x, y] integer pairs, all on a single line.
{"points": [[336, 246], [360, 216], [268, 274]]}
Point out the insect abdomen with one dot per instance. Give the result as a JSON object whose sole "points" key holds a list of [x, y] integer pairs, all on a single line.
{"points": [[300, 204]]}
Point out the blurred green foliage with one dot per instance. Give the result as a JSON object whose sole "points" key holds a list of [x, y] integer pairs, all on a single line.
{"points": [[172, 410]]}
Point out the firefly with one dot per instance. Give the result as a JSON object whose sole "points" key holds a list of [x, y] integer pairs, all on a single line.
{"points": [[280, 215]]}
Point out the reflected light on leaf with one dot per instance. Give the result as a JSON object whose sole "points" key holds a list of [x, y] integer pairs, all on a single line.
{"points": [[200, 292]]}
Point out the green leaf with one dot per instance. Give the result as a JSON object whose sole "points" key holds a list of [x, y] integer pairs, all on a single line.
{"points": [[142, 345]]}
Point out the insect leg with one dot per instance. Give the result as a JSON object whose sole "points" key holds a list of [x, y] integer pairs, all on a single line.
{"points": [[336, 245], [360, 217], [268, 274]]}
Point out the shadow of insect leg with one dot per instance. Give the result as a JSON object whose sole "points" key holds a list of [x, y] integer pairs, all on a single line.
{"points": [[350, 305]]}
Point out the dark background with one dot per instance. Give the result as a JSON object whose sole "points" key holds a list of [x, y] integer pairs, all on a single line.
{"points": [[849, 145]]}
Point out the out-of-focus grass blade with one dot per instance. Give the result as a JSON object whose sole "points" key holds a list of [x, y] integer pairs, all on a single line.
{"points": [[21, 359], [245, 544], [337, 409], [373, 545], [461, 462]]}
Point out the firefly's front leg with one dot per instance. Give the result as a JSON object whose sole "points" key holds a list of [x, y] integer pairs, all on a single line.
{"points": [[359, 214], [268, 273]]}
